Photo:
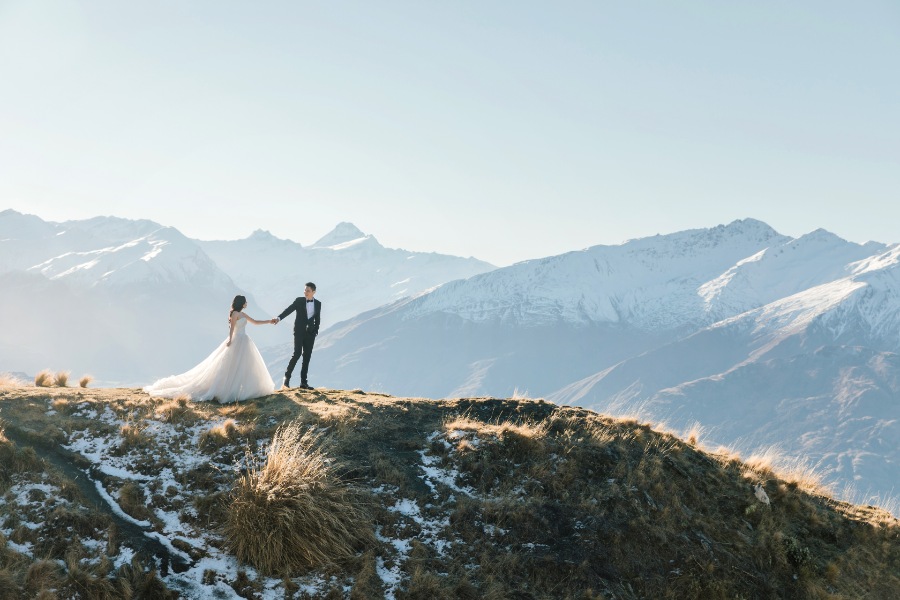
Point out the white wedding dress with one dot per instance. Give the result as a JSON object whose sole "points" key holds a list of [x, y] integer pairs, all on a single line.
{"points": [[229, 374]]}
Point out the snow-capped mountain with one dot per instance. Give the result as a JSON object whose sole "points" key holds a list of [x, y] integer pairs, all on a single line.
{"points": [[132, 300], [126, 301], [353, 272], [666, 327]]}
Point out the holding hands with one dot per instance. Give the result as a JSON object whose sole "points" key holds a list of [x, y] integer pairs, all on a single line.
{"points": [[274, 321]]}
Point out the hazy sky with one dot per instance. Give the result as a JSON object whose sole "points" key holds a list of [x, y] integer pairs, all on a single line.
{"points": [[501, 130]]}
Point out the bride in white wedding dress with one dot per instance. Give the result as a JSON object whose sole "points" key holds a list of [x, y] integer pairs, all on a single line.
{"points": [[234, 371]]}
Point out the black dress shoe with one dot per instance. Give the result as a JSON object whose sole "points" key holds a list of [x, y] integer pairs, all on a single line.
{"points": [[306, 386]]}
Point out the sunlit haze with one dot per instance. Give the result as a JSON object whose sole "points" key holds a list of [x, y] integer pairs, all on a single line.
{"points": [[500, 130]]}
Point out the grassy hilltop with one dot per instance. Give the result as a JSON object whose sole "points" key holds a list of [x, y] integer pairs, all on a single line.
{"points": [[108, 493]]}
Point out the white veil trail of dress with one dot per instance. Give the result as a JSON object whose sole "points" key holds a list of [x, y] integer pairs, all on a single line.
{"points": [[230, 374]]}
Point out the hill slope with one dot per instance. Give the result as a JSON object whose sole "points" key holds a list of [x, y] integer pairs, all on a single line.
{"points": [[463, 498]]}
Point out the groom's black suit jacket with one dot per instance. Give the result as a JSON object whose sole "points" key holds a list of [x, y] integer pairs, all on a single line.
{"points": [[303, 324]]}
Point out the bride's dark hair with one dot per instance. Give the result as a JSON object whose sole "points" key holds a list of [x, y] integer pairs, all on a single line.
{"points": [[237, 304]]}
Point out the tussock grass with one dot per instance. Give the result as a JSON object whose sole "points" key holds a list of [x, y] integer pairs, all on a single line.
{"points": [[694, 434], [341, 416], [132, 501], [61, 379], [85, 381], [291, 513], [772, 462], [63, 404], [140, 583], [42, 578], [178, 410], [44, 378], [527, 429], [222, 434], [89, 581], [8, 381], [133, 436]]}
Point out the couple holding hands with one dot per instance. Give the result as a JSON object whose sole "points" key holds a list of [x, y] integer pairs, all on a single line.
{"points": [[235, 370]]}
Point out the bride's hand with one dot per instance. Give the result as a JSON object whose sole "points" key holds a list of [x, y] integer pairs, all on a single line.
{"points": [[228, 343]]}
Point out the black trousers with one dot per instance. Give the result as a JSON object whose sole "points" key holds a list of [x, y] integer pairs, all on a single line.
{"points": [[303, 346]]}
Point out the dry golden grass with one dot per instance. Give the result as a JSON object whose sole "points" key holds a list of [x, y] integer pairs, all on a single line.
{"points": [[291, 513], [61, 379], [44, 378], [693, 434], [42, 578], [8, 381], [85, 381], [131, 499], [340, 416], [62, 404], [178, 410], [133, 436], [526, 429], [559, 501], [219, 435], [771, 462]]}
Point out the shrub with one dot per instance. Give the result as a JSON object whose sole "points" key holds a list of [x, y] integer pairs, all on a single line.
{"points": [[292, 513], [84, 381], [44, 378]]}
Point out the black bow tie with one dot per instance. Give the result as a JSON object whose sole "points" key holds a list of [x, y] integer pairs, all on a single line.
{"points": [[308, 301]]}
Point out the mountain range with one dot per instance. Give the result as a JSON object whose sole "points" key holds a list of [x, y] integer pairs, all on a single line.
{"points": [[133, 300], [762, 339]]}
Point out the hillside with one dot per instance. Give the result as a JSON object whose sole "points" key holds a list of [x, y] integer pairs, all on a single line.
{"points": [[108, 493]]}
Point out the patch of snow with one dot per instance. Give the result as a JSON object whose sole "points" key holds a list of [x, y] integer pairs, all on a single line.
{"points": [[114, 506]]}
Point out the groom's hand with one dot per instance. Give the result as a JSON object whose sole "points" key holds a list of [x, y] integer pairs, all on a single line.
{"points": [[275, 321]]}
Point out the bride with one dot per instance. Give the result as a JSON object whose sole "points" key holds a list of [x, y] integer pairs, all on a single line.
{"points": [[234, 371]]}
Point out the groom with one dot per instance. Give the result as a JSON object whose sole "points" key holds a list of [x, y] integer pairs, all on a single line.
{"points": [[306, 327]]}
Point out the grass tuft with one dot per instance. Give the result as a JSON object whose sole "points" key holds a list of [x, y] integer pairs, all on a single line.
{"points": [[133, 436], [178, 410], [42, 577], [132, 501], [44, 378], [8, 381], [85, 381], [291, 513], [61, 379]]}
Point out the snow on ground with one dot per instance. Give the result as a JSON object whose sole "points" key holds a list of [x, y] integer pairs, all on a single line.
{"points": [[161, 468]]}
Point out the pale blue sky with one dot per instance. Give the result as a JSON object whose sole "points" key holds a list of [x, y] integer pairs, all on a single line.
{"points": [[502, 130]]}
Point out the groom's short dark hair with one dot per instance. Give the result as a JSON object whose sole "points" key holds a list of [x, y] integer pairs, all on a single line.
{"points": [[311, 285]]}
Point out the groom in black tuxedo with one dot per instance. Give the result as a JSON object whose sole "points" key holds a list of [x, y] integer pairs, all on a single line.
{"points": [[306, 327]]}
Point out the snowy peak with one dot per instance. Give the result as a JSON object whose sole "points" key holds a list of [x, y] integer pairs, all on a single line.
{"points": [[650, 283], [164, 255], [262, 235], [343, 233], [114, 229], [781, 270], [17, 226], [750, 228]]}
